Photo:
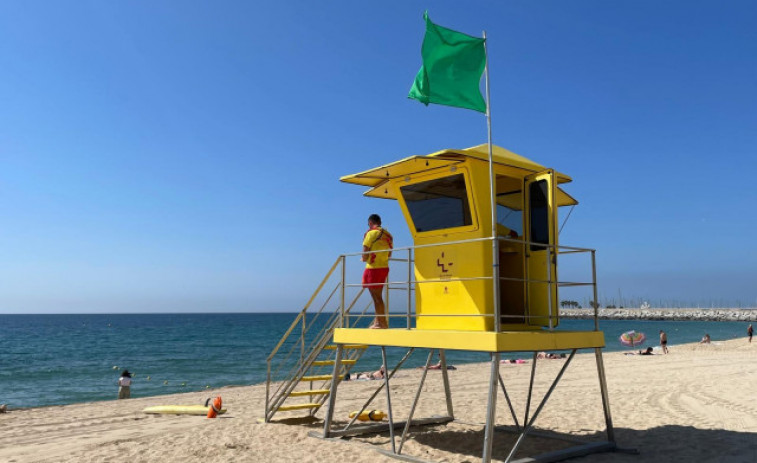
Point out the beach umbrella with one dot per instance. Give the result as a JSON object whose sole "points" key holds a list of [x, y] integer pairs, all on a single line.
{"points": [[632, 338]]}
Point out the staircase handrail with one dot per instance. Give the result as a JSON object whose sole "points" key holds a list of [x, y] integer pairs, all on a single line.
{"points": [[302, 312], [274, 400]]}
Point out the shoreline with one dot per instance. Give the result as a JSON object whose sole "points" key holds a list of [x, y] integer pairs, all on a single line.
{"points": [[612, 321], [704, 315], [210, 392]]}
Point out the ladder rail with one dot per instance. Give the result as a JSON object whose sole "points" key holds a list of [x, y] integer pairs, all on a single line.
{"points": [[285, 371], [304, 309], [294, 344], [294, 324], [352, 356], [288, 386], [313, 344], [357, 319], [300, 369], [328, 328]]}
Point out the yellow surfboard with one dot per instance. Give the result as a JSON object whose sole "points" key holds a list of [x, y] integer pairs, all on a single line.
{"points": [[180, 410]]}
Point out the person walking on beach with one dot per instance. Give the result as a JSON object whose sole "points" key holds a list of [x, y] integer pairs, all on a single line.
{"points": [[124, 385], [664, 342], [376, 266], [749, 332]]}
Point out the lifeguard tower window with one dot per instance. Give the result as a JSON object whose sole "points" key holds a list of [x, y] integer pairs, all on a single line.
{"points": [[507, 215], [438, 204], [539, 217]]}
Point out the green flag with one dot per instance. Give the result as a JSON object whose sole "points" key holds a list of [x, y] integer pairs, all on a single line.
{"points": [[452, 66]]}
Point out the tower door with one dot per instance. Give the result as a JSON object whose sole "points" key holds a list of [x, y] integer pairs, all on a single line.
{"points": [[540, 221]]}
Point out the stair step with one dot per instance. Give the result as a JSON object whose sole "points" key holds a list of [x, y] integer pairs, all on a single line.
{"points": [[346, 346], [309, 392], [319, 363], [284, 408], [319, 377]]}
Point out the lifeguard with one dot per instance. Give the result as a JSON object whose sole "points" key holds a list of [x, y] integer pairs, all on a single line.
{"points": [[376, 266]]}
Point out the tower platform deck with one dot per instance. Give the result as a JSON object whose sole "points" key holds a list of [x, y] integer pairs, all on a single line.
{"points": [[480, 341]]}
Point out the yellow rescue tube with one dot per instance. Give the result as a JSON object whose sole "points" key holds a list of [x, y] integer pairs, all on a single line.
{"points": [[369, 415]]}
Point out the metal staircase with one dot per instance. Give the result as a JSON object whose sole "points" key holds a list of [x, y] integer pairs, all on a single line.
{"points": [[300, 367]]}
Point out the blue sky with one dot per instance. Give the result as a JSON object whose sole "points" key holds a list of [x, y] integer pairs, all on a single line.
{"points": [[184, 156]]}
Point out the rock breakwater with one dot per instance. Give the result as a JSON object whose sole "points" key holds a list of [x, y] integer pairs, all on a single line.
{"points": [[718, 315]]}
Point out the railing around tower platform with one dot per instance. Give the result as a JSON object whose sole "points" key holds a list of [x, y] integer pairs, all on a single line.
{"points": [[402, 263]]}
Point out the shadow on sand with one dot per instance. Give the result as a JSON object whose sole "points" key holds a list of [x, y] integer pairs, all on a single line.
{"points": [[662, 443]]}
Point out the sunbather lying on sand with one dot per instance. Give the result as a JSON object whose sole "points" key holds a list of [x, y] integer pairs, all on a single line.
{"points": [[648, 351], [378, 374], [550, 355]]}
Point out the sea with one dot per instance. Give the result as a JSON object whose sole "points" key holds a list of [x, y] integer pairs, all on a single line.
{"points": [[65, 359]]}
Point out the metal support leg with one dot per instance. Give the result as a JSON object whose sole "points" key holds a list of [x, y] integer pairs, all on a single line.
{"points": [[445, 379], [528, 425], [388, 398], [267, 392], [415, 402], [605, 396], [509, 404], [378, 390], [530, 389], [491, 410], [332, 394]]}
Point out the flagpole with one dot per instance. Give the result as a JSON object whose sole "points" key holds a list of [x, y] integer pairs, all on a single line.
{"points": [[493, 191]]}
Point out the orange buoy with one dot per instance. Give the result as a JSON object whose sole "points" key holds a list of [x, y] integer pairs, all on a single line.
{"points": [[215, 407]]}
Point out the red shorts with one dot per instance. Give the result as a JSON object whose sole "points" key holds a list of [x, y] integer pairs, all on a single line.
{"points": [[373, 277]]}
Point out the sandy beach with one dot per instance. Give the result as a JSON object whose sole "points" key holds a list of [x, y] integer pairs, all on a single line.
{"points": [[699, 403]]}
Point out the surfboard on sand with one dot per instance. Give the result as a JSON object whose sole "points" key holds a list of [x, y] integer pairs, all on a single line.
{"points": [[180, 410]]}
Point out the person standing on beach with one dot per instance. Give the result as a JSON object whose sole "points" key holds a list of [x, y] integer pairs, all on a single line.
{"points": [[664, 342], [376, 266], [124, 385], [749, 332]]}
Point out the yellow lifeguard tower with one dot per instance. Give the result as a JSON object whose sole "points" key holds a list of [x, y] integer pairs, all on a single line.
{"points": [[484, 279], [445, 199]]}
